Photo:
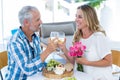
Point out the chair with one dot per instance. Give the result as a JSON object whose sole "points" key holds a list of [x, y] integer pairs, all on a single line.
{"points": [[13, 31], [3, 61], [116, 57], [68, 28], [116, 63]]}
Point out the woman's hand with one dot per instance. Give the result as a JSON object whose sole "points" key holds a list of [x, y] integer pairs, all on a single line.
{"points": [[82, 60], [62, 46]]}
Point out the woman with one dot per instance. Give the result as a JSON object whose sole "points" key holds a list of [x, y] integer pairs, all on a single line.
{"points": [[97, 59]]}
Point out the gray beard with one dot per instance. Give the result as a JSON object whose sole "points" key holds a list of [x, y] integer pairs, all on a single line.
{"points": [[32, 29]]}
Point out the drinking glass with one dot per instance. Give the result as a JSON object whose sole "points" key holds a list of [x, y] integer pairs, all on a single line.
{"points": [[54, 35], [61, 38]]}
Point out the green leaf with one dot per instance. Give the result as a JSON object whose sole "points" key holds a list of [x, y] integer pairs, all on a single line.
{"points": [[80, 67], [92, 3]]}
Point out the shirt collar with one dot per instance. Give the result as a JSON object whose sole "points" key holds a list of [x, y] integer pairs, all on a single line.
{"points": [[22, 35]]}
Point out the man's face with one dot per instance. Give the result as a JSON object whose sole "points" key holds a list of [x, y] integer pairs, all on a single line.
{"points": [[35, 22]]}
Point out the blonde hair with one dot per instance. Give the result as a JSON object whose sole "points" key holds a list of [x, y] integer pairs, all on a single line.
{"points": [[91, 19]]}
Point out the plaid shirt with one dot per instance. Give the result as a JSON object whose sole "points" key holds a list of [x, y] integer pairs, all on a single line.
{"points": [[23, 60]]}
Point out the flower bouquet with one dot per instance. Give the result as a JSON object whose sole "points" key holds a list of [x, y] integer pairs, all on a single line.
{"points": [[77, 50]]}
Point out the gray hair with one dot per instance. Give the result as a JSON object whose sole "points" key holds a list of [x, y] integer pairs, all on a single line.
{"points": [[25, 13]]}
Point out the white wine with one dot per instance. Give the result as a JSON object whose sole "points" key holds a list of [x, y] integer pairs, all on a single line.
{"points": [[54, 35], [52, 38], [61, 40]]}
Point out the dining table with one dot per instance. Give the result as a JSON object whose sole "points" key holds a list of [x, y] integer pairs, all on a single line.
{"points": [[39, 76], [77, 74]]}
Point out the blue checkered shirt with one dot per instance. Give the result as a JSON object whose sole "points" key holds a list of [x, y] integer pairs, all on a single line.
{"points": [[23, 60]]}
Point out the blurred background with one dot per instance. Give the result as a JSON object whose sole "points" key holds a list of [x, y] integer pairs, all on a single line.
{"points": [[59, 11]]}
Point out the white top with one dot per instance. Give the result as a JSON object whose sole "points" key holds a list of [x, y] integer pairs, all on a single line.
{"points": [[97, 47]]}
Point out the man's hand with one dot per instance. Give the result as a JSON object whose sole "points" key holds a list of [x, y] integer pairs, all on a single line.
{"points": [[52, 45]]}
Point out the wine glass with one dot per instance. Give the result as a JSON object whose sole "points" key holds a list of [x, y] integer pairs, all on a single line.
{"points": [[54, 35], [61, 39]]}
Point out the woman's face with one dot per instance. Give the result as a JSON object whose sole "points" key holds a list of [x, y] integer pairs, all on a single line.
{"points": [[80, 21]]}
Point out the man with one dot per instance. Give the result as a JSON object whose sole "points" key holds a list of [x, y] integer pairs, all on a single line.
{"points": [[25, 57]]}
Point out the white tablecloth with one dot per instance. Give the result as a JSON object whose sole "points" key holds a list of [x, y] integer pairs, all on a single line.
{"points": [[77, 75]]}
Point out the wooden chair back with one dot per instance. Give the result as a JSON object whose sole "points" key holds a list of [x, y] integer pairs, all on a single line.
{"points": [[3, 59], [116, 57]]}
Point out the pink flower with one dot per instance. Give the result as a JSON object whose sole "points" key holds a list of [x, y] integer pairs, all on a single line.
{"points": [[77, 49]]}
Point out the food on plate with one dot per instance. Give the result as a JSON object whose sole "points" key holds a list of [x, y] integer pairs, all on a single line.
{"points": [[52, 64], [59, 69], [68, 67]]}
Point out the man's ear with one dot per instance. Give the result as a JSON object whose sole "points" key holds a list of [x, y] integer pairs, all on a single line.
{"points": [[26, 22]]}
